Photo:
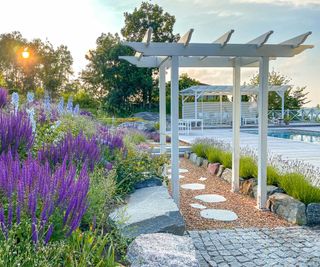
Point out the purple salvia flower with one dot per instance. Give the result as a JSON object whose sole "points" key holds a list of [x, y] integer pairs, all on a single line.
{"points": [[48, 234]]}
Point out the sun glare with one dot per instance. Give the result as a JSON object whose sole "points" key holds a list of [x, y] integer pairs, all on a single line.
{"points": [[25, 54]]}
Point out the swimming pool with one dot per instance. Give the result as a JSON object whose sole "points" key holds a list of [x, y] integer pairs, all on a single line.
{"points": [[293, 134]]}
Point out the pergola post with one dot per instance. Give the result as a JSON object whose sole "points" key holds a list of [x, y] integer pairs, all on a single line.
{"points": [[195, 105], [175, 129], [162, 107], [236, 102], [263, 132], [282, 104]]}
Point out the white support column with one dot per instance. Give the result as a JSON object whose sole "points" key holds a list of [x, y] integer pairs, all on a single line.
{"points": [[162, 107], [282, 104], [220, 98], [236, 127], [263, 133], [175, 129], [195, 105]]}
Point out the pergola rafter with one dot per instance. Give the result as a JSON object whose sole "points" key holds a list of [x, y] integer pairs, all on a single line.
{"points": [[221, 53]]}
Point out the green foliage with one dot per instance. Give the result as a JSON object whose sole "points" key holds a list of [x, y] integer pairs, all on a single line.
{"points": [[77, 124], [200, 149], [136, 167], [294, 98], [101, 196], [115, 121], [226, 159], [83, 98], [273, 176], [213, 154], [134, 138], [248, 167], [90, 248], [295, 185], [47, 67]]}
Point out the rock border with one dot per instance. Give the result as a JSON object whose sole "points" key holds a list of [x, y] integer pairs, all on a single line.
{"points": [[278, 202]]}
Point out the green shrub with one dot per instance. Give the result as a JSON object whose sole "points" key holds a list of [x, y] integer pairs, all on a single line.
{"points": [[226, 159], [273, 176], [213, 155], [295, 185], [89, 248], [115, 121], [199, 149], [101, 196], [77, 124], [248, 167], [134, 138]]}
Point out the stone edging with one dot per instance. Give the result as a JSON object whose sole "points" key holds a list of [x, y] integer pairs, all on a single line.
{"points": [[278, 202]]}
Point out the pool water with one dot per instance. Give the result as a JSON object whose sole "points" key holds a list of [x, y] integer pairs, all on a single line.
{"points": [[297, 135]]}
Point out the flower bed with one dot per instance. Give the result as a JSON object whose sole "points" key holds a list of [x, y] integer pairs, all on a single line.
{"points": [[62, 171], [291, 178]]}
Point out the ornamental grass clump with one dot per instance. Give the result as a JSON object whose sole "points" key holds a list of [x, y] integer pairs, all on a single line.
{"points": [[3, 97], [248, 167], [52, 202], [295, 185], [76, 150], [15, 133]]}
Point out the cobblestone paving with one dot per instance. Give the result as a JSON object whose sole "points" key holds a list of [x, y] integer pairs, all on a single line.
{"points": [[293, 246]]}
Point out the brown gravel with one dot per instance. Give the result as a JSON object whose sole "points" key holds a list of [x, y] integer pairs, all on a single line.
{"points": [[243, 206]]}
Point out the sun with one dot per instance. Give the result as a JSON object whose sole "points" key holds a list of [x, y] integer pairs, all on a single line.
{"points": [[25, 54]]}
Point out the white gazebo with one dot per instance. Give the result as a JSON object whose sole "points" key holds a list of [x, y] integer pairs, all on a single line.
{"points": [[198, 108], [218, 54]]}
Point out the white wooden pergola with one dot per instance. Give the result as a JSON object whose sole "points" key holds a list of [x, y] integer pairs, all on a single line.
{"points": [[220, 53], [199, 91]]}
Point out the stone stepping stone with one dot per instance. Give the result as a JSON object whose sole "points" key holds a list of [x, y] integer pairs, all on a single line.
{"points": [[210, 198], [180, 176], [202, 179], [197, 206], [180, 170], [194, 186], [219, 215]]}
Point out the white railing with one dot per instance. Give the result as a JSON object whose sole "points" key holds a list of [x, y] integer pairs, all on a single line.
{"points": [[299, 115]]}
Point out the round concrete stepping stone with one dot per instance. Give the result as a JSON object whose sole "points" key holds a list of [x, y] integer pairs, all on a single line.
{"points": [[180, 170], [194, 186], [219, 215], [197, 206], [202, 178], [180, 176], [210, 198]]}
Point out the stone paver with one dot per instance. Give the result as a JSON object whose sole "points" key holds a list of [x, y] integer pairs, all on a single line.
{"points": [[292, 246]]}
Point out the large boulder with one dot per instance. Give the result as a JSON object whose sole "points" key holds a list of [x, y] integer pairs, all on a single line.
{"points": [[313, 214], [140, 125], [227, 175], [159, 250], [199, 161], [149, 210], [193, 157], [288, 208], [247, 186], [271, 189], [213, 168], [220, 170], [150, 182]]}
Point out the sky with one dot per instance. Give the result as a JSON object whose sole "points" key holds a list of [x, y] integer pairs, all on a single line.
{"points": [[78, 23]]}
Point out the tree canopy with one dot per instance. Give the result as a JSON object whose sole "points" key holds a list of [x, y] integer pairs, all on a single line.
{"points": [[295, 98], [118, 84], [45, 66]]}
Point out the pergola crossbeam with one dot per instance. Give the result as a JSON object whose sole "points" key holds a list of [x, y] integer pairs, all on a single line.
{"points": [[146, 40], [230, 50], [262, 39], [223, 40], [297, 41]]}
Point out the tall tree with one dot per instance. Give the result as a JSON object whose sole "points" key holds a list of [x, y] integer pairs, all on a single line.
{"points": [[45, 67], [295, 98], [136, 24], [114, 80]]}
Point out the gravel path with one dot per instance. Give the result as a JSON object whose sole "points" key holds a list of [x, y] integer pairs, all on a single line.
{"points": [[243, 206], [293, 246]]}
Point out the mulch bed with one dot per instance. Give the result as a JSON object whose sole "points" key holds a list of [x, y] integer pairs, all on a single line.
{"points": [[244, 206]]}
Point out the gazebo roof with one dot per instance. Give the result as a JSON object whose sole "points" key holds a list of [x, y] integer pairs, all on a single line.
{"points": [[210, 90]]}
